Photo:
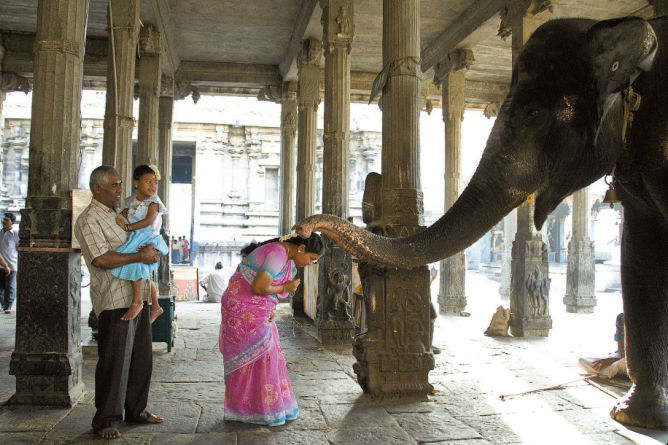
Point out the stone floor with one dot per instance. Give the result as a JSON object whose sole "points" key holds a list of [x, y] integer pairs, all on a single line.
{"points": [[470, 375]]}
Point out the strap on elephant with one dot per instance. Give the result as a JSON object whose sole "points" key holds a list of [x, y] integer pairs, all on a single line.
{"points": [[631, 104]]}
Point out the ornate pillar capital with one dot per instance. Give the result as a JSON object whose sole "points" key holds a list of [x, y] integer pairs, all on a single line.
{"points": [[337, 24], [150, 41], [515, 10], [10, 81], [270, 93], [310, 54], [454, 61]]}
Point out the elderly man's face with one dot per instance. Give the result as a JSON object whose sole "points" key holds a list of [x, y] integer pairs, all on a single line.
{"points": [[109, 193]]}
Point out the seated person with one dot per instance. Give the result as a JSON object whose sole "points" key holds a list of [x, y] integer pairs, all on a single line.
{"points": [[611, 366], [214, 284]]}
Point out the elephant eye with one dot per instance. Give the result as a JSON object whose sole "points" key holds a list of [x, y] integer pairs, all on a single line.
{"points": [[615, 66], [533, 113]]}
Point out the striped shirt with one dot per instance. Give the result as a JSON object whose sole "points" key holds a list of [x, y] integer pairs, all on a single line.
{"points": [[97, 233]]}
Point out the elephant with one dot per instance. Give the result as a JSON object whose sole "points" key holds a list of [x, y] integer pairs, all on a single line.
{"points": [[567, 121]]}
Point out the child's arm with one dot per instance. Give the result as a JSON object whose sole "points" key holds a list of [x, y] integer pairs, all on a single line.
{"points": [[121, 221], [151, 214]]}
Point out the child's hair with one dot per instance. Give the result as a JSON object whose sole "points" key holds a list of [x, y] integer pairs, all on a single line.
{"points": [[313, 244], [140, 171]]}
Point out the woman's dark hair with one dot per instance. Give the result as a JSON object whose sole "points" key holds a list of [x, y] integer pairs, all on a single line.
{"points": [[140, 171], [313, 244]]}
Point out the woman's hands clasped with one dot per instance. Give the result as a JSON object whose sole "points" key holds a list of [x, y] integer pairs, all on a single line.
{"points": [[291, 285]]}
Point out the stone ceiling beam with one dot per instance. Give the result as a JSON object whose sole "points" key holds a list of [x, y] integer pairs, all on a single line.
{"points": [[228, 74], [307, 18], [463, 26], [19, 55], [159, 14]]}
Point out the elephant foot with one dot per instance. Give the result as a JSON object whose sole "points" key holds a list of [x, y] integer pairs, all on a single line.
{"points": [[646, 408]]}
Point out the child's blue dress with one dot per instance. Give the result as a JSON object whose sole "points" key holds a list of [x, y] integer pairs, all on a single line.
{"points": [[150, 234]]}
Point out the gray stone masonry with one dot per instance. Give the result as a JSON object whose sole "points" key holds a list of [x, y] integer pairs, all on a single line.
{"points": [[472, 371]]}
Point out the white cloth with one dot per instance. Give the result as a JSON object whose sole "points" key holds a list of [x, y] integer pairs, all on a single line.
{"points": [[215, 285], [137, 210], [9, 241]]}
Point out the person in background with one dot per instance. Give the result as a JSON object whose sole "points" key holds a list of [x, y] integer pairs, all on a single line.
{"points": [[214, 284], [9, 241]]}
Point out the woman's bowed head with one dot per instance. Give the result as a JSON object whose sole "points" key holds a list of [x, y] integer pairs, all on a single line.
{"points": [[303, 251]]}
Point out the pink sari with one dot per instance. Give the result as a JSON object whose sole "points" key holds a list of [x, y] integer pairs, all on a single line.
{"points": [[257, 384]]}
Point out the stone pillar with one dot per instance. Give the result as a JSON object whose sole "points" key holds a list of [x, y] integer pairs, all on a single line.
{"points": [[450, 74], [509, 229], [530, 283], [150, 70], [47, 360], [288, 134], [333, 324], [308, 99], [166, 105], [394, 357], [118, 118], [580, 274]]}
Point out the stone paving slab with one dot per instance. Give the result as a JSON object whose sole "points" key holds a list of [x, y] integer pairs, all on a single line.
{"points": [[56, 438], [434, 426], [201, 392], [389, 435], [28, 418], [196, 439], [22, 438], [356, 417], [282, 438]]}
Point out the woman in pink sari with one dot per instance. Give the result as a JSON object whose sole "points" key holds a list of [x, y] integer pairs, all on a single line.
{"points": [[257, 384]]}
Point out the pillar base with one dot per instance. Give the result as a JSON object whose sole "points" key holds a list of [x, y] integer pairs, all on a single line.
{"points": [[451, 304], [577, 304], [47, 361], [334, 331], [394, 356], [530, 327], [297, 298], [47, 379]]}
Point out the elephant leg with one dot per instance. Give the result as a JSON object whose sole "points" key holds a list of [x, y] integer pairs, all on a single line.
{"points": [[644, 288]]}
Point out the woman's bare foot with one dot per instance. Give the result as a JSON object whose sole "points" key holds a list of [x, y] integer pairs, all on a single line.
{"points": [[109, 433], [155, 313], [132, 312]]}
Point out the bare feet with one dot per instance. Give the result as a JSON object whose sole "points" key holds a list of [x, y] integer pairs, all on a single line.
{"points": [[154, 419], [132, 312], [146, 417], [155, 313], [109, 433]]}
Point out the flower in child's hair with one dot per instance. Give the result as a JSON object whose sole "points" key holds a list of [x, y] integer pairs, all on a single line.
{"points": [[156, 171]]}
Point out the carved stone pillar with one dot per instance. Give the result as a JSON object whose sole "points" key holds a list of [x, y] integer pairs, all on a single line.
{"points": [[288, 134], [332, 321], [118, 118], [530, 283], [150, 70], [509, 229], [308, 99], [166, 105], [580, 274], [450, 74], [394, 357], [47, 361]]}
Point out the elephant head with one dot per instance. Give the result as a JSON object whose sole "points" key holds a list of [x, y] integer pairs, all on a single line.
{"points": [[558, 130]]}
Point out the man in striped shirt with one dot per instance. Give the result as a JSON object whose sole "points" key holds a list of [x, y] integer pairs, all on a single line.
{"points": [[122, 345]]}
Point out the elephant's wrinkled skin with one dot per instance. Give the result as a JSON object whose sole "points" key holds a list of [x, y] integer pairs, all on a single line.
{"points": [[559, 130]]}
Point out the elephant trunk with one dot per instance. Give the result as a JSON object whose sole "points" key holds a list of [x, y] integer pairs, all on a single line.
{"points": [[490, 195]]}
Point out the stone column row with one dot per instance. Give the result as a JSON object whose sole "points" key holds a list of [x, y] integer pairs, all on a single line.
{"points": [[450, 75], [394, 357], [123, 22], [335, 269], [47, 359]]}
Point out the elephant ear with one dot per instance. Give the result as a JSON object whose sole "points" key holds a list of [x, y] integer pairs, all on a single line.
{"points": [[618, 49]]}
